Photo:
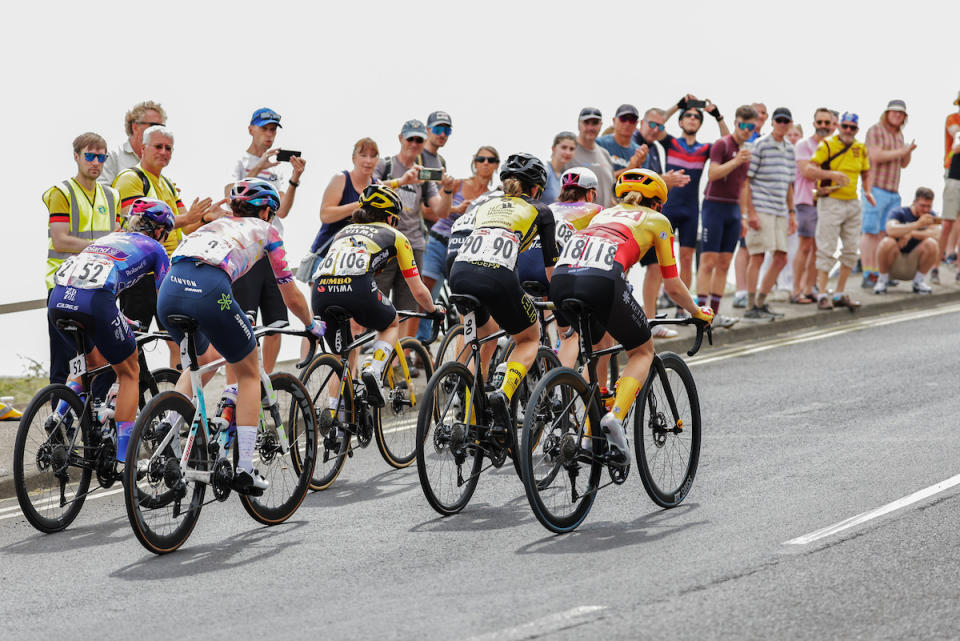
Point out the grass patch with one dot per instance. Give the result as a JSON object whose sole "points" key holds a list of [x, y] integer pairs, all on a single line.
{"points": [[21, 388]]}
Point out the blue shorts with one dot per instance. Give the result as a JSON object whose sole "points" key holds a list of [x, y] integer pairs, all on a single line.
{"points": [[875, 218], [530, 265], [434, 260], [685, 222], [96, 309], [721, 227], [204, 292]]}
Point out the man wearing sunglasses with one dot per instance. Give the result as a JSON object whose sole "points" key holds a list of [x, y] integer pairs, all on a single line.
{"points": [[141, 116], [841, 160], [81, 211], [624, 152]]}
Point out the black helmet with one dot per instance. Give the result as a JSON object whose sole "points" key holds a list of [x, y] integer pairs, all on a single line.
{"points": [[526, 168]]}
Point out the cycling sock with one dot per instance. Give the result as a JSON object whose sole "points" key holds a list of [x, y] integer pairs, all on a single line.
{"points": [[123, 439], [511, 380], [761, 299], [715, 303], [77, 387], [381, 351], [246, 439], [627, 389]]}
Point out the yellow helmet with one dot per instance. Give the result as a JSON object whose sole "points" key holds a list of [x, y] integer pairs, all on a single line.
{"points": [[648, 183], [383, 199]]}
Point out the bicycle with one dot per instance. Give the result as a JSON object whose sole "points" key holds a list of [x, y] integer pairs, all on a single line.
{"points": [[65, 438], [562, 442], [329, 376], [176, 451], [450, 444]]}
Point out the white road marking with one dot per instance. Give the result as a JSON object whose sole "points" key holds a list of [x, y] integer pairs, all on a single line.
{"points": [[15, 511], [859, 519], [545, 625]]}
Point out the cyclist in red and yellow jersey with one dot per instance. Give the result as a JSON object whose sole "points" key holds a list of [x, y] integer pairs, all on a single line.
{"points": [[593, 268]]}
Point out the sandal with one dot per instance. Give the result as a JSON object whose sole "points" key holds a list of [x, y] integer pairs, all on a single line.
{"points": [[802, 299]]}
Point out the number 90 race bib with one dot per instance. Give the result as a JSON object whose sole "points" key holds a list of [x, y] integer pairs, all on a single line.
{"points": [[490, 245]]}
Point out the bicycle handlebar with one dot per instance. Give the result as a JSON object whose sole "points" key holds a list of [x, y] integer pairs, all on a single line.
{"points": [[280, 327], [703, 327], [435, 325]]}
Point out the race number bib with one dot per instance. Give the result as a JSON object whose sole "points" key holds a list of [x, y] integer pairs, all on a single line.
{"points": [[78, 366], [564, 232], [85, 271], [490, 245], [589, 252], [206, 247], [351, 261]]}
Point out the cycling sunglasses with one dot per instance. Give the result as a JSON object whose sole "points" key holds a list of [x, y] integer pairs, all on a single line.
{"points": [[89, 156]]}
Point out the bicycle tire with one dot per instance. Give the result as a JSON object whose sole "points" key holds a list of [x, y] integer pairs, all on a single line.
{"points": [[289, 474], [449, 349], [545, 361], [155, 508], [395, 426], [164, 378], [38, 455], [437, 461], [667, 459], [558, 415], [332, 452]]}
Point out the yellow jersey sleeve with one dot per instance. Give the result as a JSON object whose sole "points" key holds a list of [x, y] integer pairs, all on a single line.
{"points": [[662, 231], [405, 257]]}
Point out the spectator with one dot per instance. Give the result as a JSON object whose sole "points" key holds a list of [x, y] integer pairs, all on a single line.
{"points": [[127, 154], [721, 220], [805, 260], [439, 128], [761, 110], [257, 289], [888, 155], [837, 164], [910, 248], [81, 211], [401, 173], [651, 137], [742, 259], [767, 201], [590, 155], [795, 134], [624, 152], [561, 154], [951, 188]]}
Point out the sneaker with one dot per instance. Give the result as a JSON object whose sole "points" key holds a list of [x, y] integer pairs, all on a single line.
{"points": [[740, 302], [726, 322], [757, 314], [374, 393], [843, 300], [501, 410], [246, 483], [868, 281], [661, 331], [766, 308], [616, 438], [934, 279], [921, 288], [8, 413], [880, 287], [950, 259]]}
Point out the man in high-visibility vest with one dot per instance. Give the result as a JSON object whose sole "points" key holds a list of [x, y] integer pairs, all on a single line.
{"points": [[81, 211]]}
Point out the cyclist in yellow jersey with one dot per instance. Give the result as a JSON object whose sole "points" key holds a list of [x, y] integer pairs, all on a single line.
{"points": [[486, 268], [345, 278], [593, 268]]}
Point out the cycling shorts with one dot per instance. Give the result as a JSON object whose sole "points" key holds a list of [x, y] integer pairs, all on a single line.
{"points": [[612, 304], [357, 294], [500, 295], [685, 222], [203, 292], [721, 227], [258, 289], [105, 327]]}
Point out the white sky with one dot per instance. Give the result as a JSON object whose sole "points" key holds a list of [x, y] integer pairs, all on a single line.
{"points": [[511, 74]]}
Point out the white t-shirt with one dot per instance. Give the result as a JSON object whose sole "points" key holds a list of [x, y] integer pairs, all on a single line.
{"points": [[276, 176]]}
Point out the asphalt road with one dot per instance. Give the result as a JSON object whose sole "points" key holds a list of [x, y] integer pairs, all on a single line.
{"points": [[800, 434]]}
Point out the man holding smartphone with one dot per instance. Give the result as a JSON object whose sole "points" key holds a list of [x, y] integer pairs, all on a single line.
{"points": [[910, 248]]}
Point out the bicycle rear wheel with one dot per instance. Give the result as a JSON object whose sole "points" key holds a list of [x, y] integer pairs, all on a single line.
{"points": [[164, 379], [51, 485], [451, 346], [667, 443], [448, 465], [395, 425], [559, 476], [323, 380], [546, 360], [162, 503], [290, 420]]}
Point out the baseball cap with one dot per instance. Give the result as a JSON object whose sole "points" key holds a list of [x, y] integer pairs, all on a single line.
{"points": [[897, 105], [849, 116], [782, 112], [439, 118], [265, 116], [413, 128], [589, 113], [626, 110]]}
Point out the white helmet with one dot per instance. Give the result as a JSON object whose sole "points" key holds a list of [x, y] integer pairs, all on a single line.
{"points": [[579, 177]]}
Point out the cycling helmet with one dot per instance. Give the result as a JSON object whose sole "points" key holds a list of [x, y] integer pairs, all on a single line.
{"points": [[526, 168], [648, 183], [257, 192], [148, 215], [579, 177], [381, 198]]}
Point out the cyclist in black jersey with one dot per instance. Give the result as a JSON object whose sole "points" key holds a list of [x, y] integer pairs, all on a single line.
{"points": [[486, 268]]}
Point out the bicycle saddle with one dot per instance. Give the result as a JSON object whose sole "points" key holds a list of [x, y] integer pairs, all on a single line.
{"points": [[70, 325], [183, 323], [337, 313], [465, 302], [535, 288], [574, 306]]}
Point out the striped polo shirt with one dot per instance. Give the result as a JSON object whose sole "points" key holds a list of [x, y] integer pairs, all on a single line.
{"points": [[772, 170]]}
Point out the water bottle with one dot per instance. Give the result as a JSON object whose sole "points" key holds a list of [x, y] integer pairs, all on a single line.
{"points": [[103, 412], [227, 407], [498, 375]]}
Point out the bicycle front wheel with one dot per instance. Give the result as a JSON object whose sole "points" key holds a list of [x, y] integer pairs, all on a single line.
{"points": [[560, 476], [395, 425], [290, 420], [48, 456], [667, 441], [451, 347], [546, 360], [447, 462], [163, 502], [323, 380]]}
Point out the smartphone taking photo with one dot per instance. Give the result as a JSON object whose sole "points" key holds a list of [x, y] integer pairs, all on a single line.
{"points": [[427, 173], [284, 155]]}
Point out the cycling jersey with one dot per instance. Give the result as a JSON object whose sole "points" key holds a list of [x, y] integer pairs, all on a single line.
{"points": [[568, 218], [617, 238], [367, 248], [234, 244], [506, 226], [113, 263]]}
